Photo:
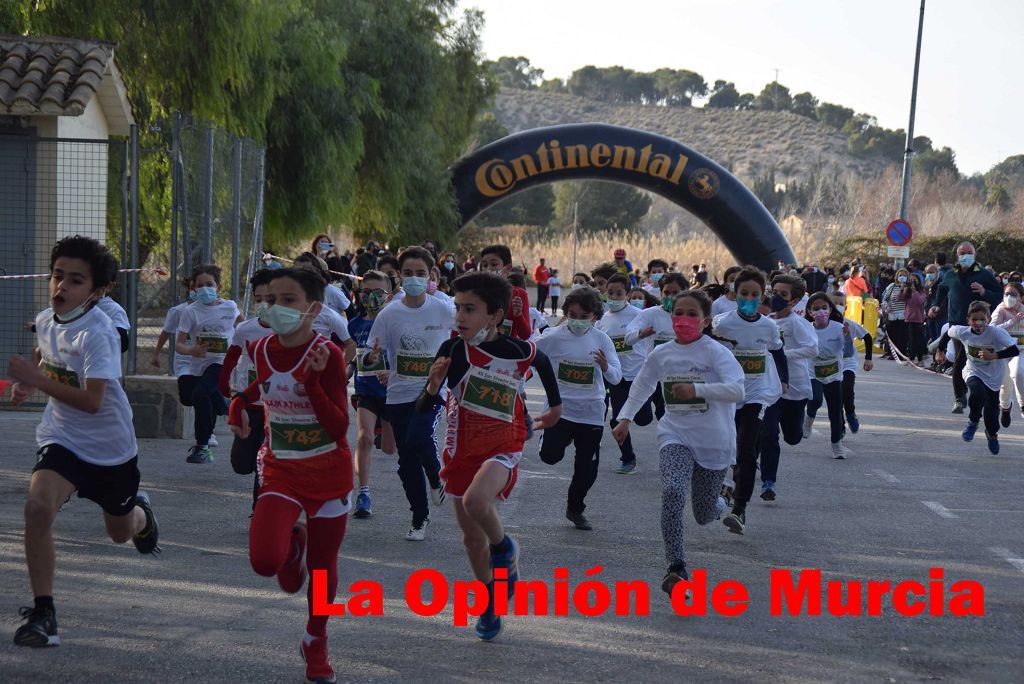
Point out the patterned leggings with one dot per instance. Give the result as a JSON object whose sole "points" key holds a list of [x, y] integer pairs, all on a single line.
{"points": [[679, 471]]}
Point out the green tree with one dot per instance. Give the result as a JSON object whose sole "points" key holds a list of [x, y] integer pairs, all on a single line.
{"points": [[998, 198], [553, 85], [805, 105], [775, 97], [533, 207], [931, 163], [516, 72], [833, 115], [602, 205], [1008, 173], [678, 87], [724, 96]]}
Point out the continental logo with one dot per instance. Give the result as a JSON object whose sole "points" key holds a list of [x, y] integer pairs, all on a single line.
{"points": [[498, 177]]}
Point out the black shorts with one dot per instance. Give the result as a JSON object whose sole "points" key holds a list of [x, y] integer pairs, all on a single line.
{"points": [[186, 384], [375, 405], [112, 487]]}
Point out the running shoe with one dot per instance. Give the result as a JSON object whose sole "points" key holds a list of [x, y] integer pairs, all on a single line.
{"points": [[768, 490], [363, 509], [510, 561], [579, 520], [40, 628], [736, 521], [417, 532], [674, 577], [292, 574], [318, 665], [726, 494], [808, 426], [199, 454], [437, 494], [853, 422], [212, 441], [1004, 417], [488, 625], [840, 451], [626, 468], [958, 405], [968, 433], [146, 540], [720, 507], [993, 443]]}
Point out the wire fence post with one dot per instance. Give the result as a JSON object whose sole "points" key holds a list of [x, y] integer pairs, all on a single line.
{"points": [[175, 208], [133, 278], [236, 228], [123, 283], [208, 203]]}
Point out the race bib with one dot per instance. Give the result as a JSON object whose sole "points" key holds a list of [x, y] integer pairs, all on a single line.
{"points": [[661, 338], [576, 373], [1020, 339], [491, 394], [752, 361], [62, 374], [215, 344], [975, 353], [620, 345], [298, 439], [364, 370], [826, 370], [414, 365], [674, 405]]}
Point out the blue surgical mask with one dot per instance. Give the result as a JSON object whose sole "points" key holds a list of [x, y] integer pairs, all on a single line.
{"points": [[902, 278], [74, 313], [206, 295], [285, 320], [616, 305], [636, 303], [578, 326], [191, 295], [656, 277], [966, 260], [747, 307], [414, 285], [261, 312]]}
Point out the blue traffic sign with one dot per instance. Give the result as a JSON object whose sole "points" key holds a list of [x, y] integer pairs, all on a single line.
{"points": [[899, 233]]}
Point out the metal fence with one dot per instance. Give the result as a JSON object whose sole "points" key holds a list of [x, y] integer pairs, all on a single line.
{"points": [[202, 203]]}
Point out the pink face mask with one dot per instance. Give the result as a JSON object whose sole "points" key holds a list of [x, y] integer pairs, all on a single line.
{"points": [[687, 328], [820, 315]]}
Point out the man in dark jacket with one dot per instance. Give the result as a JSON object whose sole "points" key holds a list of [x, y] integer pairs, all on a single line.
{"points": [[964, 283], [815, 279]]}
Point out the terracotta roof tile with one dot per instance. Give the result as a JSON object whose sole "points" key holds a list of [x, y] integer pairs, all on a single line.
{"points": [[57, 76]]}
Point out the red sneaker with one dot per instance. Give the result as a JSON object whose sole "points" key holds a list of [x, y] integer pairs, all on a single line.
{"points": [[292, 574], [318, 666]]}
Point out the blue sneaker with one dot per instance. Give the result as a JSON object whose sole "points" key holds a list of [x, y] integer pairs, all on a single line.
{"points": [[993, 443], [488, 625], [626, 468], [768, 490], [510, 561], [853, 422], [363, 509], [968, 433]]}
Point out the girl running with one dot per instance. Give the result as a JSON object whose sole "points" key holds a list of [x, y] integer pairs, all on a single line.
{"points": [[486, 429], [1009, 316], [828, 369], [307, 467], [987, 348], [753, 337], [701, 382]]}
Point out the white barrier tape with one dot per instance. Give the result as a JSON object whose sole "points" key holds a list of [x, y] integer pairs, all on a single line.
{"points": [[268, 255], [160, 271]]}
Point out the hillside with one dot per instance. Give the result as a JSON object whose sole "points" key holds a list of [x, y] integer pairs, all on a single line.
{"points": [[748, 143]]}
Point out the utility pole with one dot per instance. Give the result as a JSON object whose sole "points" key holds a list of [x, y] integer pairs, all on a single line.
{"points": [[775, 92], [575, 210], [908, 153]]}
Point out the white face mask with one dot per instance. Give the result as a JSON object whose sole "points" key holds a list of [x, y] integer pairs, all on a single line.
{"points": [[1011, 301], [480, 337], [616, 305]]}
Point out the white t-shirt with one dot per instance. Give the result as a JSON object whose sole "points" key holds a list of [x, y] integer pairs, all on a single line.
{"points": [[330, 321], [857, 331], [336, 299], [537, 321], [652, 289], [828, 364], [801, 346], [555, 285], [722, 305], [657, 318], [88, 348], [754, 339], [448, 301], [707, 424], [246, 332], [580, 379], [615, 325], [213, 324], [411, 337], [801, 307], [182, 363], [114, 312], [993, 339]]}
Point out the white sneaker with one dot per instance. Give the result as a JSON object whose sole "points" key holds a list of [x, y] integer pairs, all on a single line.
{"points": [[437, 495], [212, 441], [839, 450], [418, 533], [808, 426]]}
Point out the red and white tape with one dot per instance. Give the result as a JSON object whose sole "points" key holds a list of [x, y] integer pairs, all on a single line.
{"points": [[268, 255], [160, 271]]}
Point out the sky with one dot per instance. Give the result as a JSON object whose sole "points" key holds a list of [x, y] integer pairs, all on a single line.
{"points": [[857, 53]]}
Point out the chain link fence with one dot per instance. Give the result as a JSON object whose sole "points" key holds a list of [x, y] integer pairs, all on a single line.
{"points": [[202, 203]]}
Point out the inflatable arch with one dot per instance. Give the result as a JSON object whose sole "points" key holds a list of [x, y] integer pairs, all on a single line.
{"points": [[645, 160]]}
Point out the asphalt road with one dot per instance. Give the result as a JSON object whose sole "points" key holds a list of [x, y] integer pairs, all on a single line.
{"points": [[913, 497]]}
